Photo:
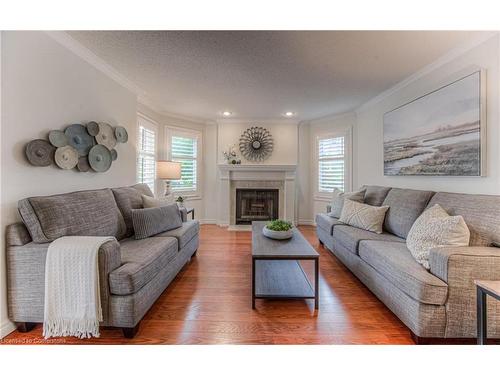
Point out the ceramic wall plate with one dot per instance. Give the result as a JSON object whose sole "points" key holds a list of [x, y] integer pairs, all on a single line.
{"points": [[114, 154], [93, 128], [79, 138], [66, 157], [57, 138], [83, 164], [121, 134], [100, 158], [106, 136], [40, 153]]}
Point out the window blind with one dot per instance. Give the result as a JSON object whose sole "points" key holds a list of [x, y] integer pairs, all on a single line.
{"points": [[184, 150], [331, 164], [146, 159]]}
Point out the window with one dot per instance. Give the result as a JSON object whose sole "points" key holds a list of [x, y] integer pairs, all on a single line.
{"points": [[146, 152], [331, 163], [184, 147]]}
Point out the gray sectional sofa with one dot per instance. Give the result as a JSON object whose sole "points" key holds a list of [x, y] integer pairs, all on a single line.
{"points": [[132, 273], [436, 304]]}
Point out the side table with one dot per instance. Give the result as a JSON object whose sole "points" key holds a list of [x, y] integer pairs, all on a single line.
{"points": [[484, 288]]}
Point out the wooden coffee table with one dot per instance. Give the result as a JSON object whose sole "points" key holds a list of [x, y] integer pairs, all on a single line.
{"points": [[276, 270]]}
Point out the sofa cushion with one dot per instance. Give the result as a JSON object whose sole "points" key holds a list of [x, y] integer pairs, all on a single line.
{"points": [[129, 198], [480, 213], [339, 198], [350, 237], [394, 261], [80, 213], [375, 195], [141, 262], [326, 222], [363, 216], [405, 205], [183, 234], [150, 221]]}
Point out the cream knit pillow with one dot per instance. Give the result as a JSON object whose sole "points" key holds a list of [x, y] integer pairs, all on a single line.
{"points": [[363, 216], [435, 228]]}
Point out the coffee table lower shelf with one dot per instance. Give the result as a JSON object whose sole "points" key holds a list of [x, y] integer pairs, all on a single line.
{"points": [[281, 279]]}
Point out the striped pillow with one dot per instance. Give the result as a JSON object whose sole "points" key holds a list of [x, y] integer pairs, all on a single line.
{"points": [[150, 221]]}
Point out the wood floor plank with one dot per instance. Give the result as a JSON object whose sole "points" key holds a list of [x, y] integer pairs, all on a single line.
{"points": [[209, 302]]}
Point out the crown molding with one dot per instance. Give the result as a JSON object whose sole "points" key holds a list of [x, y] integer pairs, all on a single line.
{"points": [[446, 58], [332, 117], [258, 121], [83, 52]]}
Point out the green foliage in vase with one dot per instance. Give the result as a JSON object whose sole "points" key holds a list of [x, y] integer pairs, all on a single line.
{"points": [[279, 225]]}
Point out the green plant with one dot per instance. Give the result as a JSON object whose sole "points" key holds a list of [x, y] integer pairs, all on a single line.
{"points": [[179, 199], [279, 225]]}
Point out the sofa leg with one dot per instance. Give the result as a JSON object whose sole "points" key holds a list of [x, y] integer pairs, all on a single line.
{"points": [[130, 332], [25, 326], [194, 254], [449, 341], [321, 243]]}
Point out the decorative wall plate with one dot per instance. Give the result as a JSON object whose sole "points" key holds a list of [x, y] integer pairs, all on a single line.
{"points": [[100, 158], [57, 138], [114, 154], [256, 144], [40, 152], [79, 138], [106, 136], [66, 157], [83, 164], [121, 134], [93, 128]]}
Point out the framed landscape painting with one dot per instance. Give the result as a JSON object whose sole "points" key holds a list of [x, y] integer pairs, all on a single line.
{"points": [[439, 134]]}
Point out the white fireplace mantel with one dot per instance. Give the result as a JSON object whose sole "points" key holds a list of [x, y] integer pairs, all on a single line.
{"points": [[229, 173]]}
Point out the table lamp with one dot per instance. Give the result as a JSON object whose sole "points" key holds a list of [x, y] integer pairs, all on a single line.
{"points": [[168, 170]]}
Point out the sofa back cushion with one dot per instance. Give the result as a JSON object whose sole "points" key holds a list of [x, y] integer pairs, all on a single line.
{"points": [[405, 206], [81, 213], [129, 198], [480, 212], [375, 195], [150, 221]]}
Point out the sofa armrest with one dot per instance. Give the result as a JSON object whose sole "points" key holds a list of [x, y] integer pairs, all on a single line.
{"points": [[183, 212], [26, 278], [481, 260], [459, 267]]}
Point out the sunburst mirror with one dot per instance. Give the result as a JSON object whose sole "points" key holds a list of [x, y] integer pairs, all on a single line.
{"points": [[256, 144]]}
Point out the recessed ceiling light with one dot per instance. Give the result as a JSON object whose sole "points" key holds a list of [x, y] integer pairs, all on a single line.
{"points": [[226, 113], [289, 114]]}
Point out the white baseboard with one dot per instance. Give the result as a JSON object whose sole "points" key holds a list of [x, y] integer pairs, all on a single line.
{"points": [[208, 221], [6, 327], [307, 222]]}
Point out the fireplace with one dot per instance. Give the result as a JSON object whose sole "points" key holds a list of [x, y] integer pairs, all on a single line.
{"points": [[256, 204]]}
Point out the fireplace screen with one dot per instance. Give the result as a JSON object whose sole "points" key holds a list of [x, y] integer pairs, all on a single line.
{"points": [[256, 204]]}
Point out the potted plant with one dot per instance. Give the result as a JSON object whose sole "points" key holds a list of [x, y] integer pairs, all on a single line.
{"points": [[278, 230], [180, 201]]}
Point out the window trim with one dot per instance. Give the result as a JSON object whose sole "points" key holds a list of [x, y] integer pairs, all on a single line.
{"points": [[171, 131], [347, 134], [150, 124]]}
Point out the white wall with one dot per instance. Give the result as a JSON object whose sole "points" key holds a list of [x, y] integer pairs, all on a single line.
{"points": [[44, 87], [335, 125], [284, 136], [368, 136]]}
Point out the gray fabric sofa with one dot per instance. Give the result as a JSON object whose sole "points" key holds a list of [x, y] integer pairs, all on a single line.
{"points": [[436, 304], [132, 273]]}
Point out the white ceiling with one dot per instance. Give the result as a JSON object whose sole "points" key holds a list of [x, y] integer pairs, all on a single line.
{"points": [[261, 74]]}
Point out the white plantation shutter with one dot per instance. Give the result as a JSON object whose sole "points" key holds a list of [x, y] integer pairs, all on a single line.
{"points": [[146, 156], [331, 164], [184, 149]]}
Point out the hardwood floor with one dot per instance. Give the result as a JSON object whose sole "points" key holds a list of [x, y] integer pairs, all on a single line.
{"points": [[210, 303]]}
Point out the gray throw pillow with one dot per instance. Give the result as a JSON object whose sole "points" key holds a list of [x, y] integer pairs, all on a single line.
{"points": [[338, 200], [150, 221]]}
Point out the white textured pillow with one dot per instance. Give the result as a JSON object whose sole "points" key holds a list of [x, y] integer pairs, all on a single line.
{"points": [[150, 202], [338, 200], [363, 216], [435, 228]]}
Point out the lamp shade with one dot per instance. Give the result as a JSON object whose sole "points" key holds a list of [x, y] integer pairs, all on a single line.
{"points": [[168, 170]]}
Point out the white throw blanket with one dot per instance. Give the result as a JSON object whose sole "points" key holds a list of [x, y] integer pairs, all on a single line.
{"points": [[72, 298]]}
